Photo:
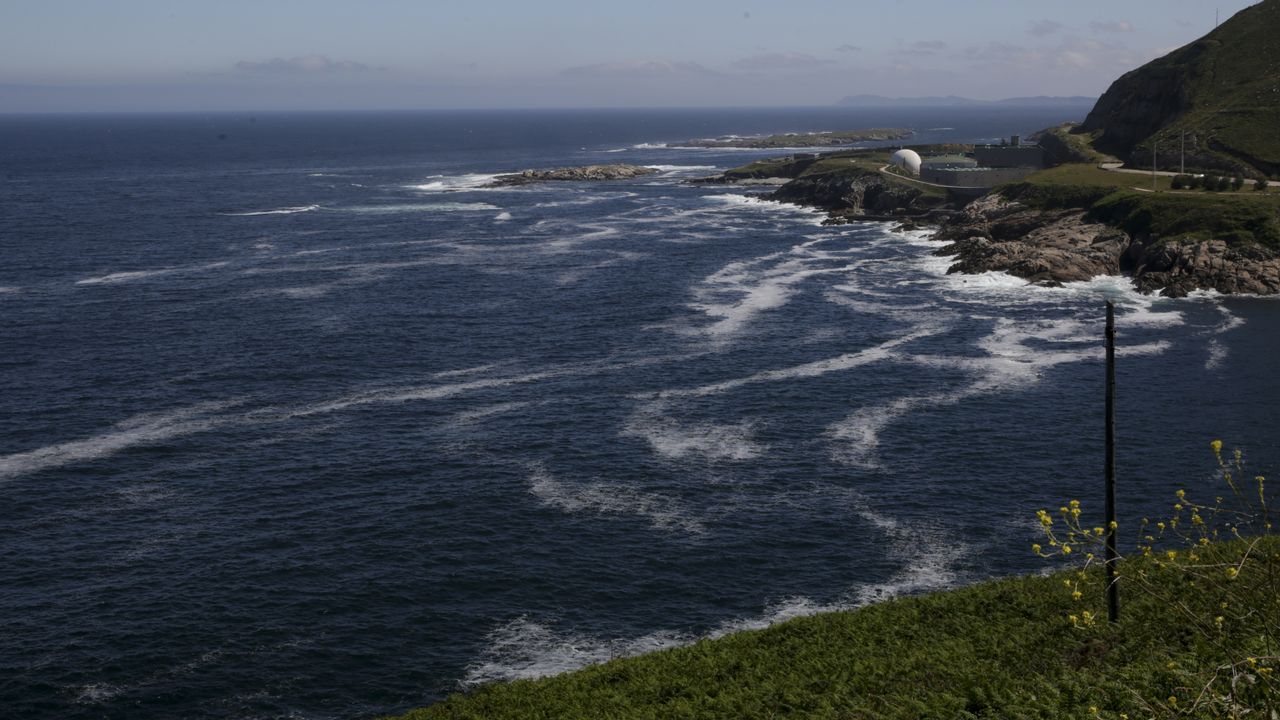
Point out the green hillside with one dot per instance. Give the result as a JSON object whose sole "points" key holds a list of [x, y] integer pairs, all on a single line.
{"points": [[1222, 91]]}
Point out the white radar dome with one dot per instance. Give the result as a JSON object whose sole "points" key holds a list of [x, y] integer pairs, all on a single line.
{"points": [[908, 160]]}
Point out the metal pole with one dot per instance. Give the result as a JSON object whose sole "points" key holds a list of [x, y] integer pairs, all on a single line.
{"points": [[1113, 583], [1154, 144], [1182, 163]]}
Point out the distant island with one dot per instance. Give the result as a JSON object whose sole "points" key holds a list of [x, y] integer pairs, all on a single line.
{"points": [[880, 101], [790, 140]]}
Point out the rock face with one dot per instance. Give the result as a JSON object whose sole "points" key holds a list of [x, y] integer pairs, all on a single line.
{"points": [[569, 174], [1051, 247]]}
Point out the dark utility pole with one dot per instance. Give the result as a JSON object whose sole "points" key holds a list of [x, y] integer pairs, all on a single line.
{"points": [[1113, 587]]}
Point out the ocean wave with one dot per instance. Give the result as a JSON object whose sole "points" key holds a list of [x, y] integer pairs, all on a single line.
{"points": [[455, 183], [733, 296], [277, 211], [131, 275], [145, 429]]}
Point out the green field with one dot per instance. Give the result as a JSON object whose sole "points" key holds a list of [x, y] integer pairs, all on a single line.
{"points": [[999, 649], [1123, 200]]}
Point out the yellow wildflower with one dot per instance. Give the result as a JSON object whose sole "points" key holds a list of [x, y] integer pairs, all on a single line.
{"points": [[1217, 447]]}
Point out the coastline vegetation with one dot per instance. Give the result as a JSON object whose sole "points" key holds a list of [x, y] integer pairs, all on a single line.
{"points": [[1001, 649], [1198, 636], [1239, 216]]}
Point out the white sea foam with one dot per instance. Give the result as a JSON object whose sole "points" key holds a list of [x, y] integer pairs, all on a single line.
{"points": [[145, 429], [95, 693], [750, 294], [523, 649], [502, 217], [856, 438], [277, 211], [129, 276], [1218, 354], [838, 363], [607, 498], [485, 412], [670, 170], [455, 183], [6, 289], [403, 208], [678, 440]]}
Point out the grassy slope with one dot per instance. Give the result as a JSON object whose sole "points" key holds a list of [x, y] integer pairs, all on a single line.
{"points": [[1229, 84], [1238, 217], [1001, 649], [858, 161]]}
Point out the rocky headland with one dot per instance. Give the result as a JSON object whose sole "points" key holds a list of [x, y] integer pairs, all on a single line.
{"points": [[571, 174], [861, 195], [1055, 246]]}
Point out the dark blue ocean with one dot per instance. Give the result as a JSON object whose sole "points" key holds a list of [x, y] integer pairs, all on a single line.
{"points": [[297, 421]]}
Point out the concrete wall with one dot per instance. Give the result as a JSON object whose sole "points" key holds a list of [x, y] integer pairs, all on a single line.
{"points": [[981, 177], [996, 156]]}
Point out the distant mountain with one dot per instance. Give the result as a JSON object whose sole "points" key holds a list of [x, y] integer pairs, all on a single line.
{"points": [[1220, 95], [878, 101]]}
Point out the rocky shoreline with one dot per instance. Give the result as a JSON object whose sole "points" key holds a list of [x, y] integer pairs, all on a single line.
{"points": [[1045, 247], [1052, 247], [615, 171]]}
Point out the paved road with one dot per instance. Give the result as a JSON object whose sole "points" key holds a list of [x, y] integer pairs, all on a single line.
{"points": [[1116, 167]]}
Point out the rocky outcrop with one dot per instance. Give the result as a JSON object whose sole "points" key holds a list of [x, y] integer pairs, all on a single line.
{"points": [[857, 194], [570, 174], [1051, 247], [1177, 268], [1045, 247]]}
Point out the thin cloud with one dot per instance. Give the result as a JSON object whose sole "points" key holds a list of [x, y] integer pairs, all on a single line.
{"points": [[301, 65], [1113, 26], [1044, 28], [637, 68], [846, 48], [923, 48], [781, 61]]}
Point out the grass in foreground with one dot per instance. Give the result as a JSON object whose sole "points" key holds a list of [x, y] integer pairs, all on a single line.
{"points": [[1000, 649]]}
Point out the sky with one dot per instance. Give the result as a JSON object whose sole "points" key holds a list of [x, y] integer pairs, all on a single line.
{"points": [[178, 55]]}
